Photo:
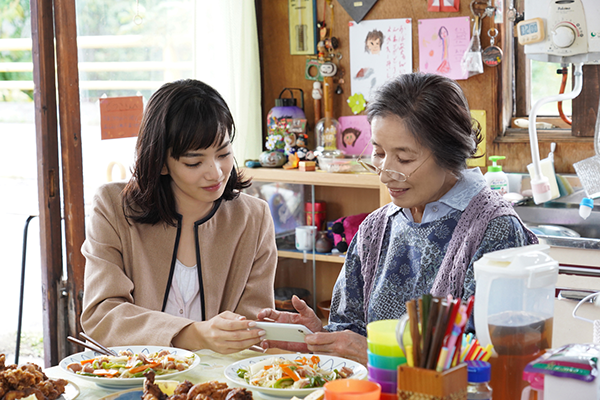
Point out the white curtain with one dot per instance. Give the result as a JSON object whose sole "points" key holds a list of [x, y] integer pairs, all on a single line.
{"points": [[227, 58]]}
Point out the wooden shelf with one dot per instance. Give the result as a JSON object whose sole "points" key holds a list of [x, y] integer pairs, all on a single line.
{"points": [[318, 256], [317, 178]]}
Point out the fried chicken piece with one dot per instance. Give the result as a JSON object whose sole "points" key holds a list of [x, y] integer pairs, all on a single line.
{"points": [[35, 391], [239, 394], [183, 388], [178, 397], [205, 389], [151, 390], [14, 395], [52, 388], [22, 378]]}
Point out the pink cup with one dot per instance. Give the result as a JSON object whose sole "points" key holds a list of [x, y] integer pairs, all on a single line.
{"points": [[352, 389]]}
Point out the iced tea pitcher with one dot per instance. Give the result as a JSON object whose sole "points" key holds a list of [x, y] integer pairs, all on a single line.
{"points": [[514, 307]]}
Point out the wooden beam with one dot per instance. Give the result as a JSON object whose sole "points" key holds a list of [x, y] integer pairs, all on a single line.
{"points": [[585, 106], [42, 33], [70, 134]]}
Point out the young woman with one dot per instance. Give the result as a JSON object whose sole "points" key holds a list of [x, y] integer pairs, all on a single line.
{"points": [[442, 217], [178, 255]]}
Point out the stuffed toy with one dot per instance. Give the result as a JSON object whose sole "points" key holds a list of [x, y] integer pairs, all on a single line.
{"points": [[344, 230]]}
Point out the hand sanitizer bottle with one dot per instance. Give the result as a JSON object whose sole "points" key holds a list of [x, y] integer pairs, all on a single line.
{"points": [[496, 179]]}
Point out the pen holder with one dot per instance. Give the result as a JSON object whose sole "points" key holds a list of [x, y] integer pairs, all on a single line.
{"points": [[427, 384]]}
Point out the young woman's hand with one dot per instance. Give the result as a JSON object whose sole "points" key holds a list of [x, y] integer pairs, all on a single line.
{"points": [[225, 333], [305, 316]]}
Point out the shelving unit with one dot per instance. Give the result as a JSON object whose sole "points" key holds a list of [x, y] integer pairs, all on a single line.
{"points": [[345, 194]]}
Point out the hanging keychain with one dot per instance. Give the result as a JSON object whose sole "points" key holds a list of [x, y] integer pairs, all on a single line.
{"points": [[492, 55], [137, 18]]}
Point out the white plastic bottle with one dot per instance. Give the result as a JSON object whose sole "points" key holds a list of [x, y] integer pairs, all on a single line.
{"points": [[496, 179]]}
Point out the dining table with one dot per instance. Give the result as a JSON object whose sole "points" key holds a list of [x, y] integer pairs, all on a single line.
{"points": [[211, 368]]}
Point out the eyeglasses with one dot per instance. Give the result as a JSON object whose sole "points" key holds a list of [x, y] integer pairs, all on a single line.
{"points": [[395, 175]]}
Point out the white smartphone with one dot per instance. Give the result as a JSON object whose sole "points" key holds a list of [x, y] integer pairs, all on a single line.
{"points": [[284, 332]]}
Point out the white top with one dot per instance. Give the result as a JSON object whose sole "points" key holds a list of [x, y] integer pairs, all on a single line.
{"points": [[184, 296]]}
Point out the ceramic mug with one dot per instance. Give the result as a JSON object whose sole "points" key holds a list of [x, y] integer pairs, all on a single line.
{"points": [[305, 237]]}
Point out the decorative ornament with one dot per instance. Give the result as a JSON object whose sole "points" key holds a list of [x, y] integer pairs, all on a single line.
{"points": [[357, 102], [357, 9]]}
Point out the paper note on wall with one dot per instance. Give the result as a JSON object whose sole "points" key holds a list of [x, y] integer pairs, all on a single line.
{"points": [[442, 43], [120, 117], [380, 49], [479, 115]]}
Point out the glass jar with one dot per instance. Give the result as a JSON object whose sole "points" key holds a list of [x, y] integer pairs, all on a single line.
{"points": [[479, 374]]}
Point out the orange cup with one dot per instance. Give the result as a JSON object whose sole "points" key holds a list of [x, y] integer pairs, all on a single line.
{"points": [[352, 389]]}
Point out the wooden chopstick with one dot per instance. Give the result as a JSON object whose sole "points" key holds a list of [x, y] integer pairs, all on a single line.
{"points": [[89, 338], [90, 346]]}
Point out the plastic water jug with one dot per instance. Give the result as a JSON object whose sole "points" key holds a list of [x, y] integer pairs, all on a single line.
{"points": [[514, 308]]}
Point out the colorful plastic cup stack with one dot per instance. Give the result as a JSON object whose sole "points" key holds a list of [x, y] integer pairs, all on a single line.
{"points": [[384, 355]]}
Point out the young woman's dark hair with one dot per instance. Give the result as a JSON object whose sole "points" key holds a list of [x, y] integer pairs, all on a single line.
{"points": [[180, 116], [434, 109]]}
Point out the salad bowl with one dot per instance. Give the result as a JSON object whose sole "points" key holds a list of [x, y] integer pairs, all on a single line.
{"points": [[327, 363]]}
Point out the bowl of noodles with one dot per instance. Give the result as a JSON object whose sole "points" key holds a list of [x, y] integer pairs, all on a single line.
{"points": [[127, 369]]}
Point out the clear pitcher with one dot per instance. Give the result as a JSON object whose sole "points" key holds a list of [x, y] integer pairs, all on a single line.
{"points": [[514, 307]]}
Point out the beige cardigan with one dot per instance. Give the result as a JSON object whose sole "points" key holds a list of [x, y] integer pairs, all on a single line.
{"points": [[129, 268]]}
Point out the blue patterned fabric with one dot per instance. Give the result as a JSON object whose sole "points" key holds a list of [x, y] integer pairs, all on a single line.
{"points": [[410, 259]]}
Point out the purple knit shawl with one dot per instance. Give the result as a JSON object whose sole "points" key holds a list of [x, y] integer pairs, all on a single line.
{"points": [[466, 238]]}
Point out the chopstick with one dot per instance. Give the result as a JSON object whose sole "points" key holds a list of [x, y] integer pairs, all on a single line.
{"points": [[89, 338], [90, 346]]}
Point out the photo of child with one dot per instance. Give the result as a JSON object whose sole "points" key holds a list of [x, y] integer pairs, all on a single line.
{"points": [[374, 41]]}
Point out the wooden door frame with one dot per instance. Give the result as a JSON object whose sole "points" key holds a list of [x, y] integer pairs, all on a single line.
{"points": [[61, 298]]}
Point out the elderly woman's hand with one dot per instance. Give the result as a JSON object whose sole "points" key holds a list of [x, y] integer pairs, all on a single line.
{"points": [[345, 344], [305, 316]]}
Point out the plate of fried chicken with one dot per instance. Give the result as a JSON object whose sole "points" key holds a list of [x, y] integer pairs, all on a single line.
{"points": [[21, 382], [172, 390]]}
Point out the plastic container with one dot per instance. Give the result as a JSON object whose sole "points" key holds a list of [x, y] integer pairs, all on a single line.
{"points": [[385, 362], [496, 179], [386, 386], [340, 164], [352, 389], [514, 311], [381, 338], [478, 380], [380, 374]]}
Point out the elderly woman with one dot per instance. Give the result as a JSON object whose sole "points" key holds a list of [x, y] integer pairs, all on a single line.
{"points": [[442, 217]]}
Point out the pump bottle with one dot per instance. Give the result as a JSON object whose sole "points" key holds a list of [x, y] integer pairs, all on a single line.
{"points": [[496, 179]]}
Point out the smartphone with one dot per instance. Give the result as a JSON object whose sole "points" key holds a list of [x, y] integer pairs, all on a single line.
{"points": [[284, 332]]}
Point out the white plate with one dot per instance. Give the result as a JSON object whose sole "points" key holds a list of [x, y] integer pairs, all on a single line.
{"points": [[327, 362], [71, 392], [120, 383]]}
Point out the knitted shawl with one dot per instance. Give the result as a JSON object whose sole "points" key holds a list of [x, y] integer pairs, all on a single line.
{"points": [[466, 238]]}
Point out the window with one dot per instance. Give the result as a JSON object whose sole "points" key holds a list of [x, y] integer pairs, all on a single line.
{"points": [[532, 80]]}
